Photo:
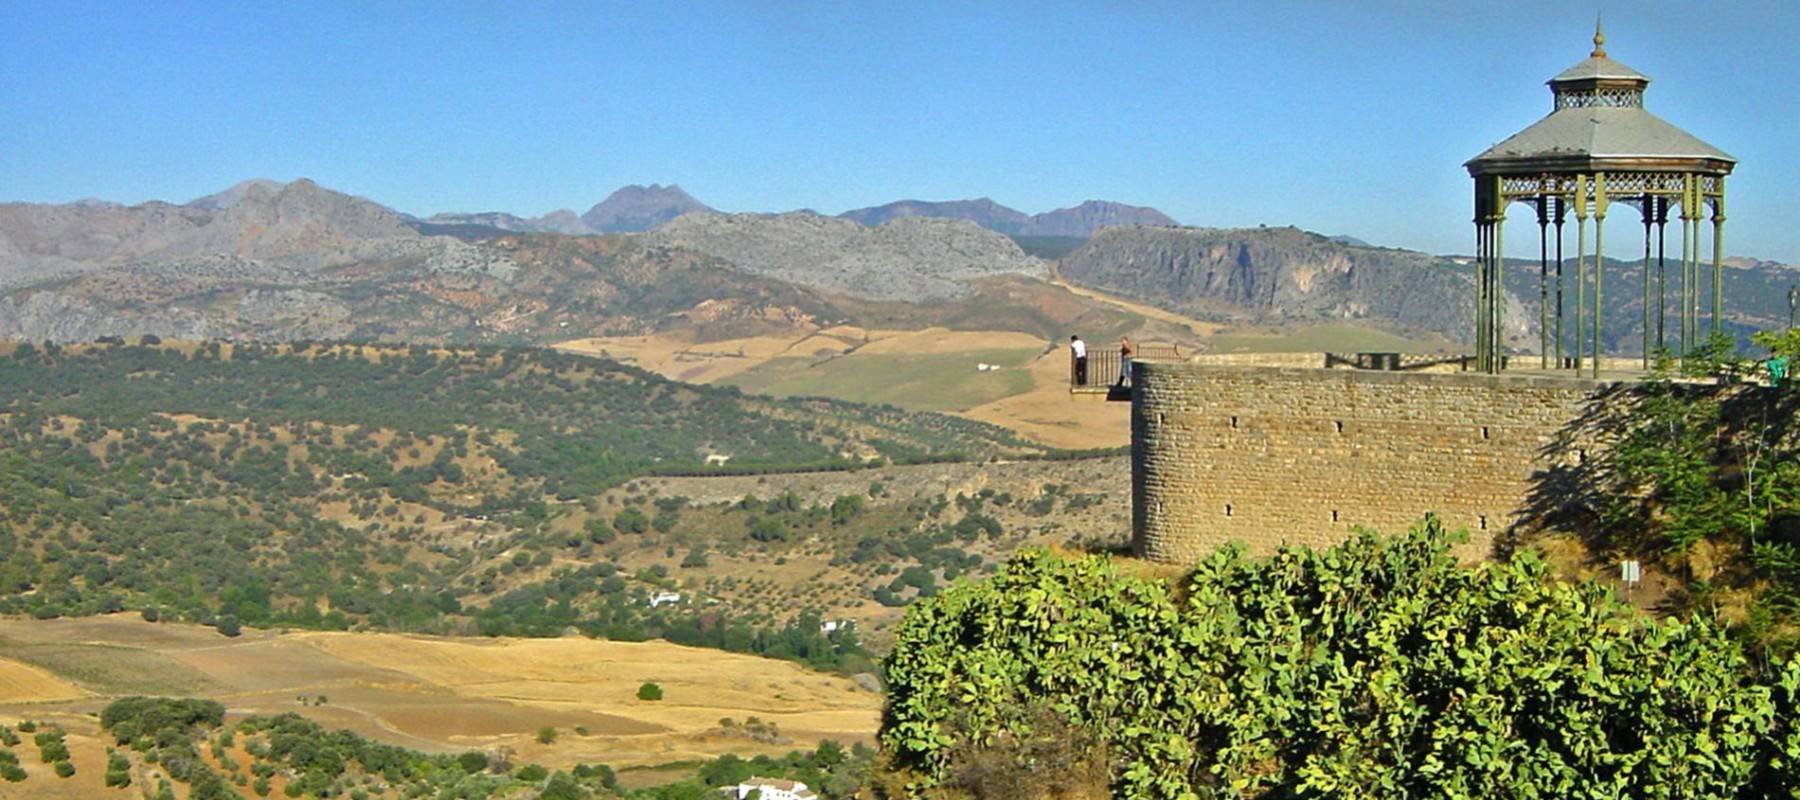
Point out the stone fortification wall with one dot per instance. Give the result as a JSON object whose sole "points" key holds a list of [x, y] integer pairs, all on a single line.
{"points": [[1270, 455]]}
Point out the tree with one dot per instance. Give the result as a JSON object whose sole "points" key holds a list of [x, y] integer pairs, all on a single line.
{"points": [[546, 735], [631, 520], [649, 691], [599, 531], [562, 787], [118, 769], [768, 529], [228, 625]]}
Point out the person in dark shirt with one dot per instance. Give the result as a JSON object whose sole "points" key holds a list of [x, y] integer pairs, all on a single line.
{"points": [[1127, 351]]}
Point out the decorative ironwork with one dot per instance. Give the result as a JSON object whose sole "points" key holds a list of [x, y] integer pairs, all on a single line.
{"points": [[1556, 174], [1599, 98]]}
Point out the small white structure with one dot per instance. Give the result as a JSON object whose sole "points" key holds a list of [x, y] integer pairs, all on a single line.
{"points": [[661, 599], [831, 626], [717, 460], [771, 788]]}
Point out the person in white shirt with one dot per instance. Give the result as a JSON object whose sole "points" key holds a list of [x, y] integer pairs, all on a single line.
{"points": [[1078, 348]]}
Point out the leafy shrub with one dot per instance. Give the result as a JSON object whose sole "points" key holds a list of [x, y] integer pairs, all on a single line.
{"points": [[1378, 668], [64, 769], [649, 691], [118, 770]]}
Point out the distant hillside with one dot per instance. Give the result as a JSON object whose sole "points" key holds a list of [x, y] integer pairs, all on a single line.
{"points": [[424, 488], [298, 225], [1091, 216], [268, 260], [984, 212], [236, 193], [1080, 221], [1269, 275], [912, 258], [1273, 274], [630, 209], [563, 221], [640, 208]]}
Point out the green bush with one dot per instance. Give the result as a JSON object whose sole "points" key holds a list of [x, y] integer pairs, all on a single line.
{"points": [[118, 770], [546, 735], [1378, 668], [649, 691], [64, 769], [13, 773]]}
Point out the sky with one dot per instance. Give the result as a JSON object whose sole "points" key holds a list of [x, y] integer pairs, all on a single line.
{"points": [[1342, 117]]}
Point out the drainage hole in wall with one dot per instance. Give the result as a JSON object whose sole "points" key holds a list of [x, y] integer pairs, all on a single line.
{"points": [[1227, 509]]}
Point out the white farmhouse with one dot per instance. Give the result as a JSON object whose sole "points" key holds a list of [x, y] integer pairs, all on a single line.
{"points": [[771, 789]]}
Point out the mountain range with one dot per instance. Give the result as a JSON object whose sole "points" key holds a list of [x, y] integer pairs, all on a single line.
{"points": [[273, 260], [1081, 221], [634, 209], [631, 209]]}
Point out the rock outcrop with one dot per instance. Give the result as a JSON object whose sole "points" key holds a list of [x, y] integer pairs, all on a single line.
{"points": [[1274, 274]]}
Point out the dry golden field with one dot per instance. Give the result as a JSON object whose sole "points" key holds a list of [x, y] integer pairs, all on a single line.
{"points": [[930, 369], [436, 694], [23, 683]]}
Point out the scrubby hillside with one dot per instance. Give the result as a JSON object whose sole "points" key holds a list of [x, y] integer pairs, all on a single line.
{"points": [[500, 491]]}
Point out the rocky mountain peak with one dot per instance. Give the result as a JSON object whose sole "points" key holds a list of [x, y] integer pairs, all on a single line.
{"points": [[218, 201], [639, 208]]}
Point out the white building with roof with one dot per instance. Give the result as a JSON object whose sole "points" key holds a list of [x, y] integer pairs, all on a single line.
{"points": [[771, 789]]}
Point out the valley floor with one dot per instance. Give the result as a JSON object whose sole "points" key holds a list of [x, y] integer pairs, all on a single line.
{"points": [[438, 694]]}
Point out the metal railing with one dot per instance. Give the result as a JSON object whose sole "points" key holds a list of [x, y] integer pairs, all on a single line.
{"points": [[1102, 370]]}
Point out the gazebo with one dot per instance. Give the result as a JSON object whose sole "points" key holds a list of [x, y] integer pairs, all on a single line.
{"points": [[1598, 146]]}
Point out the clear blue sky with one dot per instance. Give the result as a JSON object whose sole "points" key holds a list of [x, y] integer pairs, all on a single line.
{"points": [[1347, 117]]}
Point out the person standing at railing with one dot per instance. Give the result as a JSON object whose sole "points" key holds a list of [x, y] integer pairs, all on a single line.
{"points": [[1127, 351], [1078, 349]]}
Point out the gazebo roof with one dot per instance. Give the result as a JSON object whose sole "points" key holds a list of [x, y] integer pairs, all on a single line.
{"points": [[1599, 67], [1575, 134], [1599, 123]]}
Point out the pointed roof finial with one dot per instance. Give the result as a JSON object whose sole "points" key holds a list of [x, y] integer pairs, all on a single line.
{"points": [[1599, 39]]}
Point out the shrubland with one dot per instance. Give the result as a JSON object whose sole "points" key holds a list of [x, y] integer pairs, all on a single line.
{"points": [[1377, 668]]}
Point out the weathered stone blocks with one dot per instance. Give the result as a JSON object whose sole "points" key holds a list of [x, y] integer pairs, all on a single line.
{"points": [[1267, 456]]}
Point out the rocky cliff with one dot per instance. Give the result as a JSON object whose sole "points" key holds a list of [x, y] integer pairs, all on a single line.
{"points": [[1274, 274]]}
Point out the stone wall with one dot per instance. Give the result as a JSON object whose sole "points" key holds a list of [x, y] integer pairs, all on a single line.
{"points": [[1268, 455]]}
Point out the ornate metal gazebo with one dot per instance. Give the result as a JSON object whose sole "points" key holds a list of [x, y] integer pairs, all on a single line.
{"points": [[1598, 146]]}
